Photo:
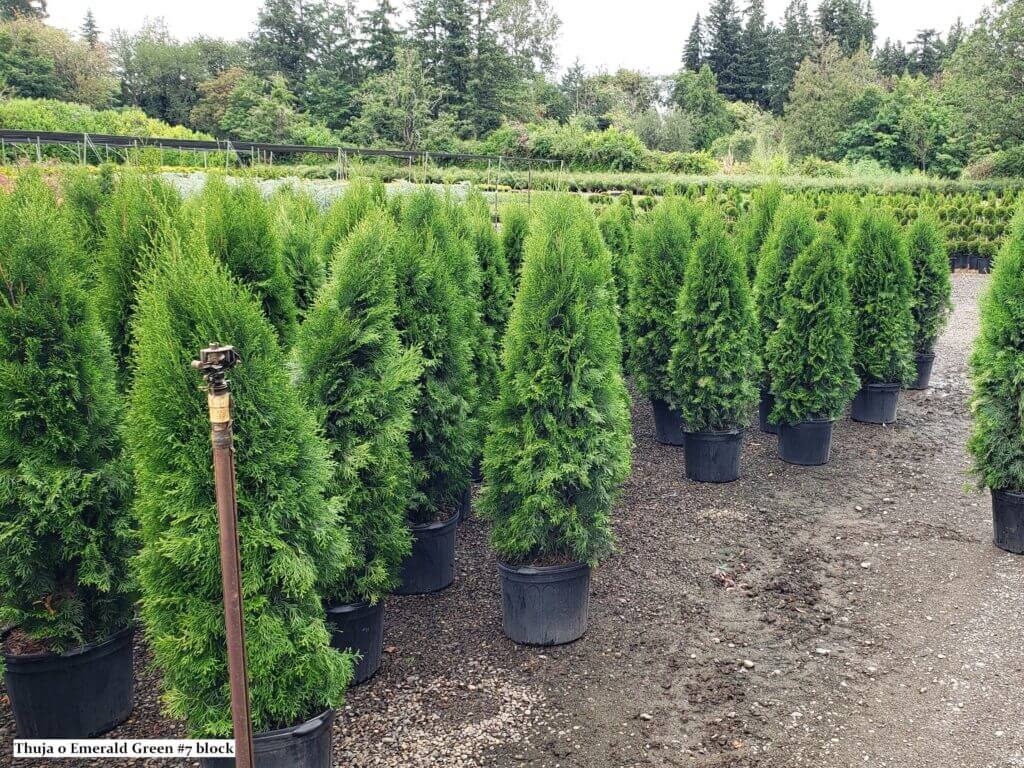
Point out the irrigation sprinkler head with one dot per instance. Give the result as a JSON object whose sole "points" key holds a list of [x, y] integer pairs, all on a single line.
{"points": [[214, 363]]}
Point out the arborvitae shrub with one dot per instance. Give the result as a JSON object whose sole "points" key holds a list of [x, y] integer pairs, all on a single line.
{"points": [[432, 319], [842, 216], [297, 219], [361, 197], [240, 231], [290, 537], [881, 290], [65, 484], [997, 440], [755, 227], [83, 194], [662, 248], [495, 281], [929, 262], [714, 361], [559, 445], [135, 219], [616, 224], [810, 356], [515, 224], [354, 372]]}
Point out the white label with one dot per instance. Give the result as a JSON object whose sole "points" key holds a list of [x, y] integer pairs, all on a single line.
{"points": [[97, 749]]}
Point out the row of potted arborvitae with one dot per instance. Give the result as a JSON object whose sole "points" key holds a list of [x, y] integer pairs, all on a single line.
{"points": [[838, 309]]}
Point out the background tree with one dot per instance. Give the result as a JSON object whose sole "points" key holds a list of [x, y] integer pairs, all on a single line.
{"points": [[693, 51], [754, 63], [698, 96], [848, 23], [380, 38], [90, 32], [792, 45], [724, 43], [22, 9]]}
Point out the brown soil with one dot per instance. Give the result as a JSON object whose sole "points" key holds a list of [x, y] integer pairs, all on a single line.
{"points": [[855, 614], [17, 643]]}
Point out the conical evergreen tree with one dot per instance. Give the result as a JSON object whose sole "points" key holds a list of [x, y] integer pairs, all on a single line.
{"points": [[559, 446], [515, 225], [83, 196], [65, 483], [361, 197], [380, 38], [616, 223], [810, 356], [881, 289], [929, 262], [240, 231], [662, 248], [756, 226], [354, 372], [290, 539], [495, 281], [297, 219], [842, 216], [693, 52], [997, 440], [714, 360]]}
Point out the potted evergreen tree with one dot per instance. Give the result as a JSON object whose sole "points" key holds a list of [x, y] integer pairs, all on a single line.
{"points": [[881, 287], [997, 439], [714, 362], [791, 234], [616, 225], [842, 216], [559, 445], [929, 262], [290, 538], [810, 356], [663, 244], [65, 486], [297, 219], [754, 228], [355, 374], [361, 197], [433, 318], [515, 224]]}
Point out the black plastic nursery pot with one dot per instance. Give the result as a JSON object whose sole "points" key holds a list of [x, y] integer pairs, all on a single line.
{"points": [[713, 457], [546, 605], [808, 443], [876, 404], [924, 362], [431, 566], [302, 746], [465, 504], [359, 627], [764, 408], [1008, 520], [78, 694], [668, 424], [985, 264]]}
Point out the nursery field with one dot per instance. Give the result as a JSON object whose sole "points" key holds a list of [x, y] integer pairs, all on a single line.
{"points": [[850, 614]]}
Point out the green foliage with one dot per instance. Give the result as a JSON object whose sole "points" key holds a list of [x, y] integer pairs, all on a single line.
{"points": [[354, 372], [83, 195], [714, 361], [240, 231], [135, 219], [997, 440], [755, 227], [515, 226], [361, 197], [616, 224], [290, 538], [663, 242], [881, 289], [559, 446], [496, 290], [297, 219], [65, 483], [842, 216], [810, 356], [929, 263]]}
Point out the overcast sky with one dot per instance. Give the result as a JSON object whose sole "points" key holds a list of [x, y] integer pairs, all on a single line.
{"points": [[639, 34]]}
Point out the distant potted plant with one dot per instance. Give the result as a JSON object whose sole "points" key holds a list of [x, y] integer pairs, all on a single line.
{"points": [[65, 486], [997, 440], [755, 227], [881, 291], [810, 356], [617, 225], [662, 248], [291, 541], [714, 362], [355, 374], [929, 263], [559, 445], [515, 224], [298, 222], [791, 234]]}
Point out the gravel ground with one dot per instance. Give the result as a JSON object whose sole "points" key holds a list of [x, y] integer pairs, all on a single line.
{"points": [[852, 614]]}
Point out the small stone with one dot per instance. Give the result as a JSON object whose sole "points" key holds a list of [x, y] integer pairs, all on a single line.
{"points": [[645, 716], [822, 651], [748, 664], [866, 564]]}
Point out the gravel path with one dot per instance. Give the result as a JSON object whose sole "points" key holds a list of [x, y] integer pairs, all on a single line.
{"points": [[847, 615]]}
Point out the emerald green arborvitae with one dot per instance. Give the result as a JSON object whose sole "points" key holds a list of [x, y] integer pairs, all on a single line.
{"points": [[432, 318], [559, 445], [842, 215], [662, 248], [616, 223], [792, 232], [881, 290], [290, 537], [496, 287], [135, 219], [65, 482], [240, 231], [810, 356], [354, 372], [83, 194], [714, 362], [755, 227], [361, 197], [932, 284], [297, 219], [997, 441], [515, 225]]}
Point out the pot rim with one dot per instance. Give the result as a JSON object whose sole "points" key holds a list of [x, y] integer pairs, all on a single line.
{"points": [[924, 355], [1008, 492], [352, 608], [541, 570], [882, 386], [436, 525], [73, 653], [324, 718], [719, 434], [820, 420]]}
